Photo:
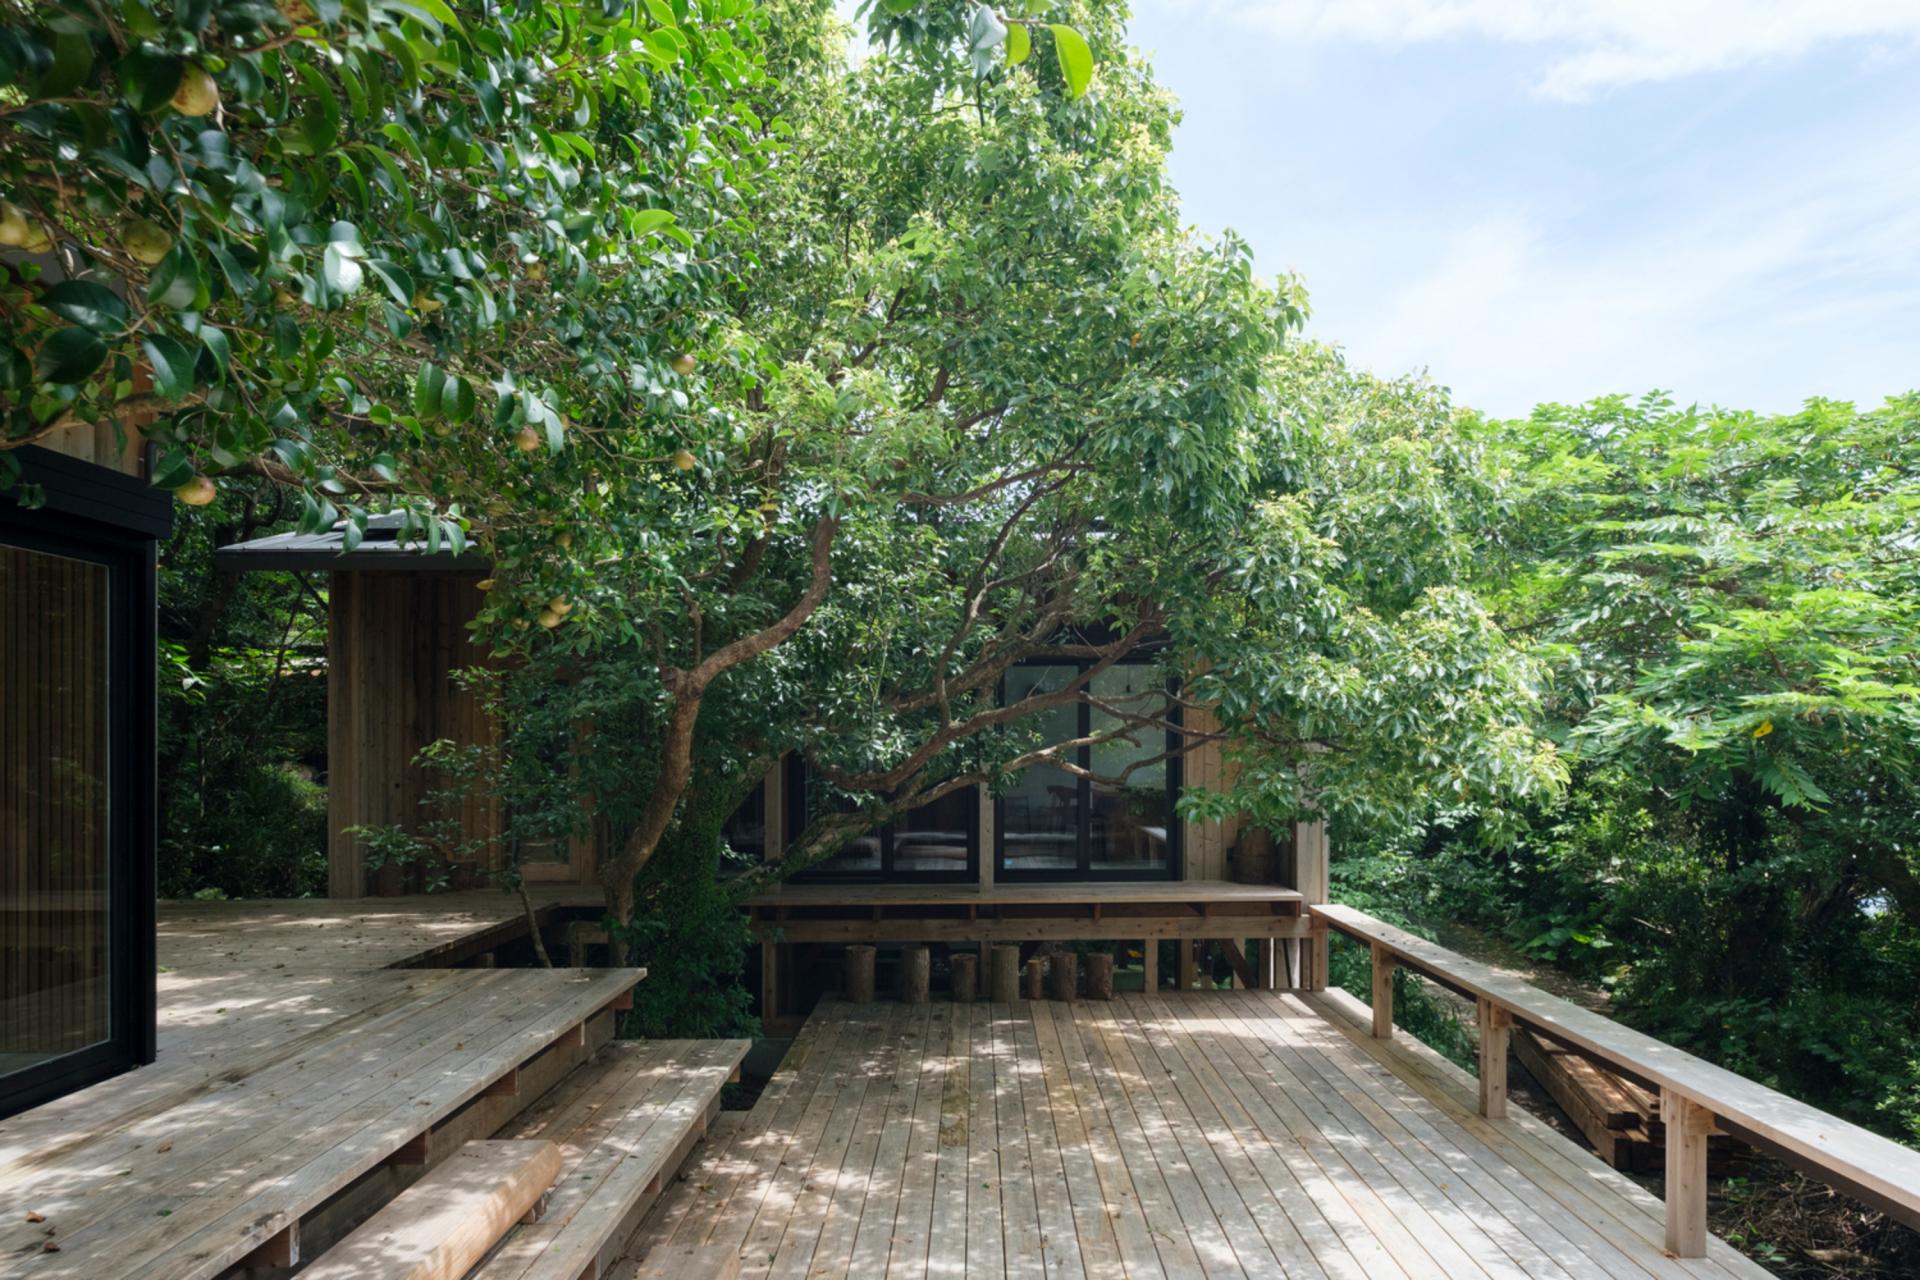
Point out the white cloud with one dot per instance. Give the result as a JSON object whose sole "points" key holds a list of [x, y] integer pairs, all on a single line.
{"points": [[1757, 299], [1593, 45]]}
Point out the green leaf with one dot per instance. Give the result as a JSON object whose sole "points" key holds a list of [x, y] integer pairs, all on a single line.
{"points": [[173, 470], [427, 390], [399, 284], [172, 367], [69, 356], [149, 80], [646, 221], [341, 272], [1076, 60], [217, 345], [85, 303], [175, 283], [457, 399], [1019, 44]]}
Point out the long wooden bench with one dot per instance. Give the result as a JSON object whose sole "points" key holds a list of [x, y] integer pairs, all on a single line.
{"points": [[623, 1121], [443, 1224]]}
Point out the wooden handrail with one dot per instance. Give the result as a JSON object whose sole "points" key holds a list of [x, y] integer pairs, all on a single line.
{"points": [[1694, 1093]]}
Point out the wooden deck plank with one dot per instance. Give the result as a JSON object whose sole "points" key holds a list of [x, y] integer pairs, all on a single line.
{"points": [[913, 1225], [986, 1245], [1292, 1224], [1556, 1169], [1130, 1057], [1388, 1106], [1497, 1246], [1208, 1133]]}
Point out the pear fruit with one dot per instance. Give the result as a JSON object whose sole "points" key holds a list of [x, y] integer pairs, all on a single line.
{"points": [[197, 95], [144, 240], [14, 227], [549, 619], [684, 460], [683, 364], [197, 492], [527, 440]]}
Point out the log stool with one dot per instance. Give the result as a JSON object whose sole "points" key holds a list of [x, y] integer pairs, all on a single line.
{"points": [[860, 974], [916, 969], [1065, 974], [1100, 976], [965, 967], [1036, 985]]}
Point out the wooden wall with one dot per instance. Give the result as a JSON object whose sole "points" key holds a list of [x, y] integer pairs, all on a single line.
{"points": [[54, 855], [394, 639], [101, 446]]}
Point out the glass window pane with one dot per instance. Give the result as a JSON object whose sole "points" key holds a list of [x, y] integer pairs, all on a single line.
{"points": [[746, 831], [54, 854], [1130, 817], [933, 839], [1040, 812], [861, 855]]}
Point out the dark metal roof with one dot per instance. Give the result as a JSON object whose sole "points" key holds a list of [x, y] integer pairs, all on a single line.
{"points": [[381, 549], [95, 492]]}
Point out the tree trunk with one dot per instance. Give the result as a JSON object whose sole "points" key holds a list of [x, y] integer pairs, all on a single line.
{"points": [[965, 970], [860, 974], [1005, 978], [1065, 975], [916, 967], [1100, 976]]}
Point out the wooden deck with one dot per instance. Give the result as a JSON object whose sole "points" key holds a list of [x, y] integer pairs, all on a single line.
{"points": [[1243, 1133], [295, 1058]]}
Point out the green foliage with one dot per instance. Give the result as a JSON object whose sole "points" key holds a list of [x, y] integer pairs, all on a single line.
{"points": [[366, 247], [242, 718], [1725, 605]]}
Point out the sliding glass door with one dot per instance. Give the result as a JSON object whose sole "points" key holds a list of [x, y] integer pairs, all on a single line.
{"points": [[71, 707], [1117, 824]]}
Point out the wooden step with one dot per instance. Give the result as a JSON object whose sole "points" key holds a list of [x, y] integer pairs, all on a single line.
{"points": [[624, 1121], [443, 1224]]}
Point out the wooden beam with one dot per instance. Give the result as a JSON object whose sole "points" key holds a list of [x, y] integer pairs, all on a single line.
{"points": [[1688, 1125], [1237, 961], [1184, 948], [1382, 993], [1496, 1031], [1150, 965], [281, 1249], [507, 1086]]}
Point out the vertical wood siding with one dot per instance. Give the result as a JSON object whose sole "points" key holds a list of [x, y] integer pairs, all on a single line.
{"points": [[394, 641], [54, 853]]}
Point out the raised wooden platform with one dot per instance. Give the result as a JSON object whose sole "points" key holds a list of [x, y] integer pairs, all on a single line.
{"points": [[1259, 1133], [294, 1064]]}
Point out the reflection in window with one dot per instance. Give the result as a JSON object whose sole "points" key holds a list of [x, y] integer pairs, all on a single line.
{"points": [[1040, 813], [1131, 816], [54, 851], [1057, 825], [937, 841], [746, 831]]}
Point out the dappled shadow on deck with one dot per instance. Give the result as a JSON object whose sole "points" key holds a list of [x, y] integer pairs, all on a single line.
{"points": [[1209, 1133]]}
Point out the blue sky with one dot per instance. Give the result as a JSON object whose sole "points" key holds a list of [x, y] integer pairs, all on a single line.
{"points": [[1554, 199]]}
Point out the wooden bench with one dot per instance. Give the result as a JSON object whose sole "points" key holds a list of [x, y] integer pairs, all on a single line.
{"points": [[623, 1121], [443, 1224]]}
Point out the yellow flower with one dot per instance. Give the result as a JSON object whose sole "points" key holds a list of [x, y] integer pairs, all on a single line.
{"points": [[1766, 727]]}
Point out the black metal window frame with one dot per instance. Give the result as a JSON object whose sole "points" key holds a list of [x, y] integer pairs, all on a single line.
{"points": [[101, 517], [886, 873], [1174, 868]]}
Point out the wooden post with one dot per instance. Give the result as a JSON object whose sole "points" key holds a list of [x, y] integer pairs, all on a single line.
{"points": [[1004, 980], [860, 974], [1382, 993], [1100, 975], [1184, 947], [1688, 1124], [1150, 965], [1313, 959], [1292, 960], [1036, 988], [1496, 1026], [1065, 975], [769, 979], [965, 969]]}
